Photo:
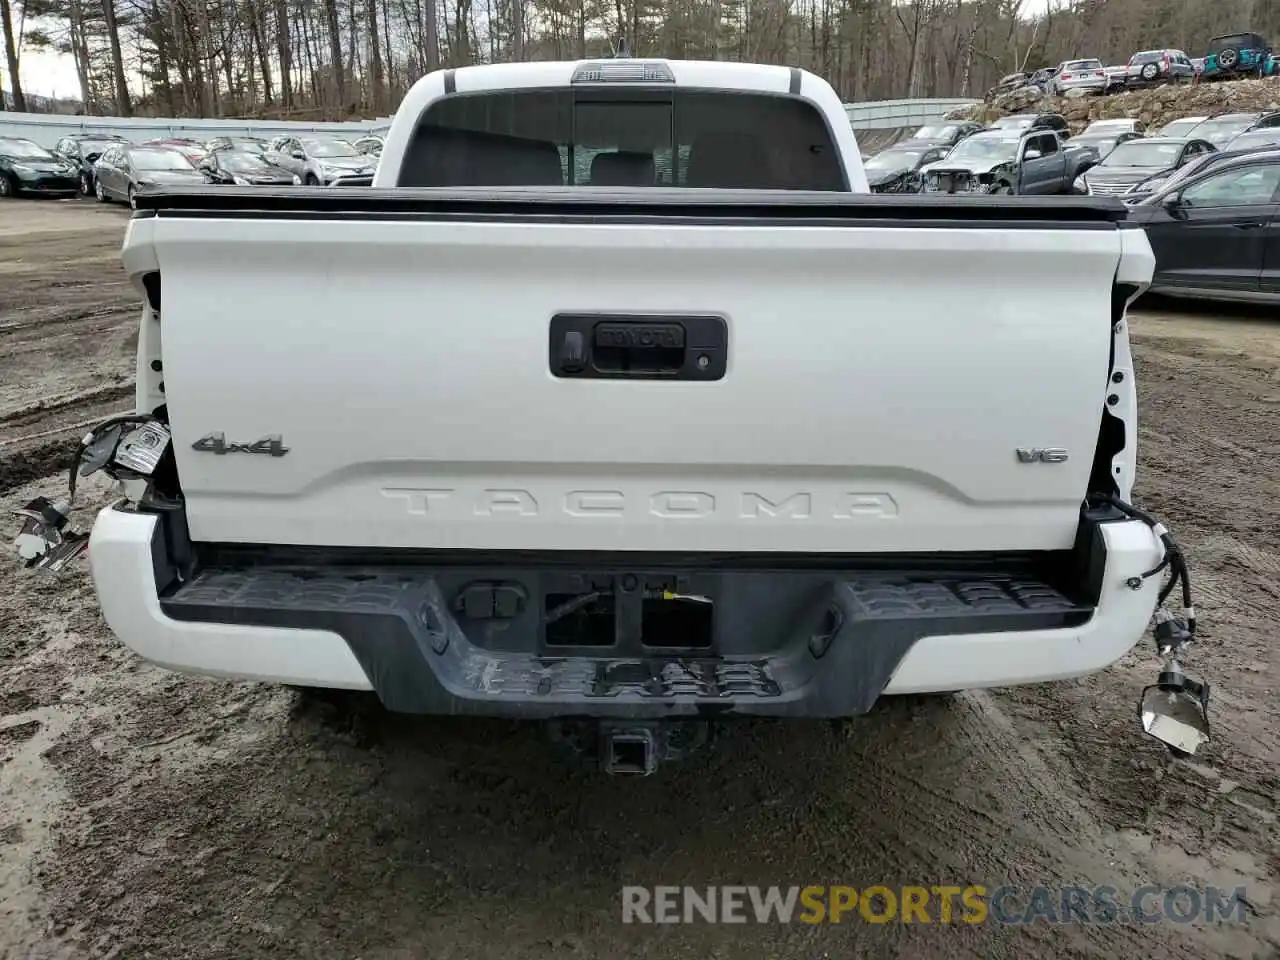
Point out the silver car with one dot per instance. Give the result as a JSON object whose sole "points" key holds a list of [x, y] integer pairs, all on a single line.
{"points": [[1160, 66], [1089, 76], [320, 160]]}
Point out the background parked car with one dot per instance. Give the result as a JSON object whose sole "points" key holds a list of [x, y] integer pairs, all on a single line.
{"points": [[1235, 54], [1181, 127], [242, 144], [27, 167], [1151, 67], [946, 134], [1008, 83], [322, 161], [1032, 121], [1115, 125], [1143, 159], [1117, 77], [897, 170], [1105, 140], [1009, 162], [122, 170], [370, 145], [83, 150], [1040, 78], [244, 168], [1260, 139], [1209, 231], [193, 150], [1223, 129], [1086, 75]]}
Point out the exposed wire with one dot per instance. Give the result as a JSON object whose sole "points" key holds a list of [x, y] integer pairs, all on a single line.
{"points": [[1173, 558]]}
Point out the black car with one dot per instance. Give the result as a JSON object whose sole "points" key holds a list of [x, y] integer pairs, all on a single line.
{"points": [[946, 133], [897, 170], [1221, 130], [244, 169], [242, 144], [83, 150], [1216, 232], [123, 170], [1033, 121], [1147, 158], [27, 167]]}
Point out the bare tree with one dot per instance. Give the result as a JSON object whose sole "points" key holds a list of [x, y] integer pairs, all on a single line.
{"points": [[336, 58]]}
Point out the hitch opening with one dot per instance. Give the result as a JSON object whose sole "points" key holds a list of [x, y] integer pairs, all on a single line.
{"points": [[631, 752]]}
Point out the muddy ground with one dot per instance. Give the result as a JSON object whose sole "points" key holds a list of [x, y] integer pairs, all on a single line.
{"points": [[144, 814]]}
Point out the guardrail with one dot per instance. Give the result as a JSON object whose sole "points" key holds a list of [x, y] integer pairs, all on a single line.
{"points": [[46, 128], [880, 114]]}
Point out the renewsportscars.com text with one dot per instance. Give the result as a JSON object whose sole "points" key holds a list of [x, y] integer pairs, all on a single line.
{"points": [[939, 904]]}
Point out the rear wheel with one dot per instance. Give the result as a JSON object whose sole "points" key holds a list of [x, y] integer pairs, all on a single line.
{"points": [[132, 202], [99, 192], [7, 188], [311, 180], [86, 187]]}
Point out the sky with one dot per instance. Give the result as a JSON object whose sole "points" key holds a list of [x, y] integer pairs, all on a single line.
{"points": [[50, 74], [47, 74]]}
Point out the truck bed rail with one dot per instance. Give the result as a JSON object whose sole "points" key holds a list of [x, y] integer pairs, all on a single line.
{"points": [[597, 204]]}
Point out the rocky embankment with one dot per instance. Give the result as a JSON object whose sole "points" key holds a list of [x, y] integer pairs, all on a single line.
{"points": [[1154, 107]]}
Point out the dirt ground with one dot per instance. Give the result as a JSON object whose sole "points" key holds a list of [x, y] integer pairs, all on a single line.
{"points": [[145, 814]]}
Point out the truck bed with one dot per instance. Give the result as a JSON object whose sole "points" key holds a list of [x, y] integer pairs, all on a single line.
{"points": [[873, 366]]}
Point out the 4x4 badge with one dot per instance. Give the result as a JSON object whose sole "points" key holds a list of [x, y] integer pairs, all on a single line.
{"points": [[272, 445]]}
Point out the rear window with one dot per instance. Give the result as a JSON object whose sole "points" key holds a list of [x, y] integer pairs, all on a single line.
{"points": [[1147, 56], [632, 138], [1082, 65]]}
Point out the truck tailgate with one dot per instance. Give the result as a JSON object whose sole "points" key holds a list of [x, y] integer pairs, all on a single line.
{"points": [[882, 369]]}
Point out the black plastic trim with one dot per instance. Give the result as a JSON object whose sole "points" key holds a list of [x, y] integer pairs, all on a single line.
{"points": [[796, 79], [426, 651], [450, 82], [635, 205]]}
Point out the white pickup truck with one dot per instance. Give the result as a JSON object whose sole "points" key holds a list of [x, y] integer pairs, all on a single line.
{"points": [[619, 397]]}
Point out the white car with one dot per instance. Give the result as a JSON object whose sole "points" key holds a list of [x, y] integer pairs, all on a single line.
{"points": [[1088, 76], [647, 411]]}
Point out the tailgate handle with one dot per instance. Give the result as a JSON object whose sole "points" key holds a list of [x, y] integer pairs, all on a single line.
{"points": [[602, 346]]}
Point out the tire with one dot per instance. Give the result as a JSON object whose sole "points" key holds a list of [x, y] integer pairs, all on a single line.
{"points": [[1150, 71], [133, 203], [99, 193], [7, 187], [1002, 190], [311, 181], [86, 188]]}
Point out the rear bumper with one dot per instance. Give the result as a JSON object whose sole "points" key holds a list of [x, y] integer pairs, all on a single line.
{"points": [[400, 632], [1089, 83]]}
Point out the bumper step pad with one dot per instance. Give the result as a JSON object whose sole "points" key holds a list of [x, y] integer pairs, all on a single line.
{"points": [[423, 656]]}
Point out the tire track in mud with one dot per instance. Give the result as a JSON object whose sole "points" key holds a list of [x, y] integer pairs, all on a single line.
{"points": [[68, 322]]}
